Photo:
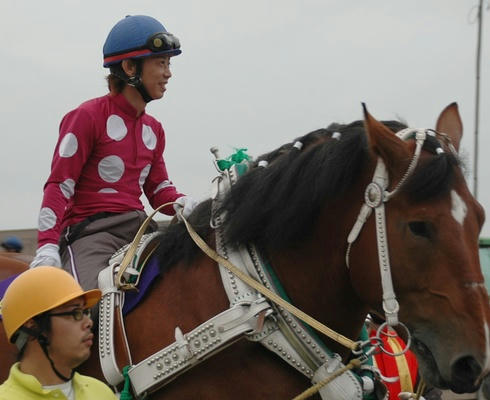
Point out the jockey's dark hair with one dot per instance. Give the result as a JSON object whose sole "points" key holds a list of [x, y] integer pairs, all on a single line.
{"points": [[115, 83]]}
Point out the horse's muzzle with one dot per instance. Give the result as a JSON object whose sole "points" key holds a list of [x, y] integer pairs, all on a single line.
{"points": [[465, 372]]}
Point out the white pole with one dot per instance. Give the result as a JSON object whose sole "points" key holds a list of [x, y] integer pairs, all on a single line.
{"points": [[477, 100]]}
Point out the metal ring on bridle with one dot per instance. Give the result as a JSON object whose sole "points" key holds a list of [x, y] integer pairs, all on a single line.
{"points": [[380, 332], [373, 196], [373, 342]]}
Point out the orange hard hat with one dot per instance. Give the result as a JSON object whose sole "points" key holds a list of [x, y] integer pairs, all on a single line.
{"points": [[38, 290]]}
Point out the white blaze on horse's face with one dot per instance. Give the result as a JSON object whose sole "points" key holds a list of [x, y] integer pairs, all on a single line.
{"points": [[458, 207]]}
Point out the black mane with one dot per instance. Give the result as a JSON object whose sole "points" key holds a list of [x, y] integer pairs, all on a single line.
{"points": [[276, 206]]}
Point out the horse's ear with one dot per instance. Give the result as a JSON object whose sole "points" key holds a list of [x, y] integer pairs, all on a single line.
{"points": [[449, 122], [383, 141]]}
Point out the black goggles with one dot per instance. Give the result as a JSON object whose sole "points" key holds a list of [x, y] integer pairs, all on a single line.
{"points": [[77, 313], [162, 41]]}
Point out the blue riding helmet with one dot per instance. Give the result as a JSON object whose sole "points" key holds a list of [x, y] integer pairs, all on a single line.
{"points": [[12, 243], [138, 36]]}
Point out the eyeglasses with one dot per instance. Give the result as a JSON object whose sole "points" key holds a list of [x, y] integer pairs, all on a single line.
{"points": [[162, 41], [77, 313]]}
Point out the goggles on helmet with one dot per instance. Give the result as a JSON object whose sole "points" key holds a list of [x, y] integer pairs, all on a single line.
{"points": [[159, 43], [162, 41]]}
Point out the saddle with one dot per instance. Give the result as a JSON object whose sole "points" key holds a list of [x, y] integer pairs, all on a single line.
{"points": [[114, 351]]}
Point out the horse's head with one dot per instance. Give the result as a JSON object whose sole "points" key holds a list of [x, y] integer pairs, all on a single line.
{"points": [[432, 226]]}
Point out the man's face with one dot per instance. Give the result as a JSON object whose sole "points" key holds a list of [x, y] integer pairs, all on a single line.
{"points": [[155, 75], [70, 340]]}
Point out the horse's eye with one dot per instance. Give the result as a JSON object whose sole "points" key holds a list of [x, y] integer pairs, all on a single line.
{"points": [[420, 228]]}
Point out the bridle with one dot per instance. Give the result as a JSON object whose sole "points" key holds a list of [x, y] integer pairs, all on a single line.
{"points": [[376, 195]]}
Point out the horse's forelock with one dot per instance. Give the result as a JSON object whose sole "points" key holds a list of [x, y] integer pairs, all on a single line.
{"points": [[433, 177]]}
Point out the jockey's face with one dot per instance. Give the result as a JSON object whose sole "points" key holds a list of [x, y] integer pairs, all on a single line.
{"points": [[155, 75]]}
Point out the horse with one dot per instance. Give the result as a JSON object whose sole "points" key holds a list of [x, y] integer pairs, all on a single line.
{"points": [[11, 264], [299, 212]]}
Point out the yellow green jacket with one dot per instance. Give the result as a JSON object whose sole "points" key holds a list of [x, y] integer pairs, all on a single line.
{"points": [[20, 386]]}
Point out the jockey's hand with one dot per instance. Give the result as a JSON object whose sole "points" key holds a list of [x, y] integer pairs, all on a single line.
{"points": [[186, 204], [47, 255]]}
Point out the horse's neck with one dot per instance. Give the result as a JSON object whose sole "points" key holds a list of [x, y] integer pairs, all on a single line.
{"points": [[316, 279], [12, 264]]}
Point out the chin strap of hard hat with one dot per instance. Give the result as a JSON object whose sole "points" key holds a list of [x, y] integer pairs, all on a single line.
{"points": [[44, 343]]}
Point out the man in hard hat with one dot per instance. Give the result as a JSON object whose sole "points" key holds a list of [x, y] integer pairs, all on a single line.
{"points": [[46, 314]]}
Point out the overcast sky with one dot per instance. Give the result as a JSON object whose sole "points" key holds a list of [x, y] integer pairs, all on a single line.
{"points": [[253, 74]]}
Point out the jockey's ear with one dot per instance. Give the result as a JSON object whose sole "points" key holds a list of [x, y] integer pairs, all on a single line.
{"points": [[449, 122], [383, 142]]}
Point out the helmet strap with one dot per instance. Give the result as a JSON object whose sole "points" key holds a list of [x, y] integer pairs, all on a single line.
{"points": [[44, 342], [21, 339], [137, 83], [134, 81]]}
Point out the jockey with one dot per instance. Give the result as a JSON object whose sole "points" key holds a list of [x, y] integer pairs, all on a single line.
{"points": [[108, 153], [12, 244], [46, 314]]}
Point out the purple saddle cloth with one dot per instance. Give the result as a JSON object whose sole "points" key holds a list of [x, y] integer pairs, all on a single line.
{"points": [[4, 285], [132, 298]]}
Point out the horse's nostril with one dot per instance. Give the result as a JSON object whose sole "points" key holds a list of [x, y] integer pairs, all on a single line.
{"points": [[465, 372]]}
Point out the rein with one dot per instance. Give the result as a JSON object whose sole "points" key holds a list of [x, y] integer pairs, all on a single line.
{"points": [[121, 284], [350, 344], [132, 252]]}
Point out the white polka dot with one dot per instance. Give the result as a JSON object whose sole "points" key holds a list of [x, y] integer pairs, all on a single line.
{"points": [[68, 145], [67, 188], [47, 219], [108, 190], [111, 168], [163, 185], [144, 173], [116, 128], [149, 137]]}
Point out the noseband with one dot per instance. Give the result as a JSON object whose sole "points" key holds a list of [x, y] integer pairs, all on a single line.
{"points": [[375, 195]]}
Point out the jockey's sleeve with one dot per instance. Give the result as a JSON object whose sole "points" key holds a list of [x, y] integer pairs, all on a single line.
{"points": [[75, 143]]}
